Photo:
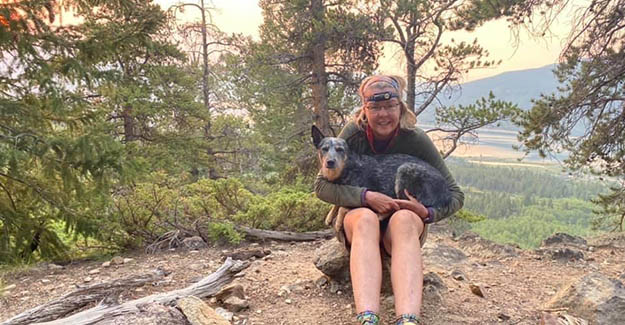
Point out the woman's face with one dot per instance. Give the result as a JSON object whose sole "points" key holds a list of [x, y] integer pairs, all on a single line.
{"points": [[383, 116]]}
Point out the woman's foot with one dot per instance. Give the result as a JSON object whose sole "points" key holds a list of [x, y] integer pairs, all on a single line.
{"points": [[407, 319], [368, 317]]}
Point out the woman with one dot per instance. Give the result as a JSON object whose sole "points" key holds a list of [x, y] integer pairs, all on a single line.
{"points": [[384, 125]]}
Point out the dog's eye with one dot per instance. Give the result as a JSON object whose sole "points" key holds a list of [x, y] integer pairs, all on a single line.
{"points": [[324, 149], [339, 149]]}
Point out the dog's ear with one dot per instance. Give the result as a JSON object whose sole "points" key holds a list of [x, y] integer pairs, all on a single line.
{"points": [[317, 136]]}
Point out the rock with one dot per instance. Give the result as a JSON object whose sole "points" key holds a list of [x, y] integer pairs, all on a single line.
{"points": [[334, 286], [224, 313], [288, 301], [503, 317], [562, 239], [323, 281], [299, 286], [117, 260], [236, 304], [476, 290], [199, 313], [332, 259], [193, 243], [246, 254], [45, 281], [389, 301], [88, 279], [232, 290], [458, 275], [432, 279], [484, 247], [284, 291], [594, 297], [561, 253], [53, 266], [106, 264], [128, 260], [562, 319], [443, 255], [196, 266], [94, 271]]}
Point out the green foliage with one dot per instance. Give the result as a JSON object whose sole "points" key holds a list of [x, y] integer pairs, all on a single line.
{"points": [[523, 206], [151, 209], [611, 214], [286, 209], [220, 231], [462, 220], [585, 117]]}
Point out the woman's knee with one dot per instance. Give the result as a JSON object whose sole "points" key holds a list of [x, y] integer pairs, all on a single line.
{"points": [[362, 221], [406, 221]]}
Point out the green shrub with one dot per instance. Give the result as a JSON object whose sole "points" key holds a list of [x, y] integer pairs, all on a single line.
{"points": [[223, 231], [287, 210]]}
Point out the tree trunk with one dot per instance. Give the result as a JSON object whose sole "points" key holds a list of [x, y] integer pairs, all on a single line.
{"points": [[129, 125], [81, 298], [206, 287], [205, 91], [321, 115], [411, 74], [285, 235]]}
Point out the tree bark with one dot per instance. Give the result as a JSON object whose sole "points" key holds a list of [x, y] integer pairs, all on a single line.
{"points": [[319, 75], [81, 298], [285, 235], [206, 287]]}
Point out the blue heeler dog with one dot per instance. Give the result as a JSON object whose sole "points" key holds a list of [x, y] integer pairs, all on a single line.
{"points": [[389, 174]]}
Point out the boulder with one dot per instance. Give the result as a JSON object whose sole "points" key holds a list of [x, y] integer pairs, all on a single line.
{"points": [[594, 297], [561, 253], [232, 290], [332, 259], [236, 304], [562, 239], [479, 246], [194, 243], [443, 255], [199, 313]]}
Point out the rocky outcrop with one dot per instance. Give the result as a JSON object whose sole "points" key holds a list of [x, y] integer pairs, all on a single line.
{"points": [[594, 297], [562, 239]]}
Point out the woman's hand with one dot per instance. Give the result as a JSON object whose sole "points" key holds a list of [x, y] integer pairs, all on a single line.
{"points": [[413, 205], [381, 203]]}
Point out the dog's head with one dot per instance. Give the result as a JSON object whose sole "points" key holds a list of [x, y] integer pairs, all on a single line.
{"points": [[332, 154]]}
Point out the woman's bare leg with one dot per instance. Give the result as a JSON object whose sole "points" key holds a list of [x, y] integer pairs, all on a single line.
{"points": [[362, 229], [402, 241]]}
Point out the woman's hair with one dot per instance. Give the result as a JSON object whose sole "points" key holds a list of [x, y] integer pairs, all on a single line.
{"points": [[407, 119]]}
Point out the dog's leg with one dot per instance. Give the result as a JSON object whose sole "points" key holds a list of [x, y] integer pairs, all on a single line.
{"points": [[340, 216]]}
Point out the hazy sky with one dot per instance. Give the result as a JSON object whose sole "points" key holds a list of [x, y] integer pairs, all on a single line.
{"points": [[244, 16]]}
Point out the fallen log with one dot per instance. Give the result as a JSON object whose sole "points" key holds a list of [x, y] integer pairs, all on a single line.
{"points": [[206, 287], [82, 297], [285, 235]]}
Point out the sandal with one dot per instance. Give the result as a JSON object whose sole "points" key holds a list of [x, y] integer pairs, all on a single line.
{"points": [[408, 319], [368, 317]]}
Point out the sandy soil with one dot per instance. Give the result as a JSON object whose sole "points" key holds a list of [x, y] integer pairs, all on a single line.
{"points": [[515, 287]]}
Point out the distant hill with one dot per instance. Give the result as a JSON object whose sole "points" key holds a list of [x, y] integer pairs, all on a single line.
{"points": [[519, 87]]}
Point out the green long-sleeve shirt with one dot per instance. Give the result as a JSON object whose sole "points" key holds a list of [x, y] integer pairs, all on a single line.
{"points": [[412, 142]]}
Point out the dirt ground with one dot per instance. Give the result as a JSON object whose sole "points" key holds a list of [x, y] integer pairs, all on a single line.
{"points": [[515, 287]]}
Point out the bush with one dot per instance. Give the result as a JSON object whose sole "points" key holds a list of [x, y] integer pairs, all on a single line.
{"points": [[147, 211]]}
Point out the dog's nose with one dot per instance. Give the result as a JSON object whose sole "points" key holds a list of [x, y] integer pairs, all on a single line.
{"points": [[330, 163]]}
